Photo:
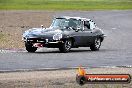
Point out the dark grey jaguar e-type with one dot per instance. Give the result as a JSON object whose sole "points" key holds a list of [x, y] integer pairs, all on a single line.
{"points": [[65, 33]]}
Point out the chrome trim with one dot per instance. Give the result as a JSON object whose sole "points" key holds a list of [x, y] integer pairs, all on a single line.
{"points": [[56, 42], [105, 35]]}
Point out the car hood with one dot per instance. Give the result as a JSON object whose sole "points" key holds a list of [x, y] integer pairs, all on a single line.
{"points": [[42, 32]]}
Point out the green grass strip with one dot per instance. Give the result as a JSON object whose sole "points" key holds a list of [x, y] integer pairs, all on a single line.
{"points": [[65, 4]]}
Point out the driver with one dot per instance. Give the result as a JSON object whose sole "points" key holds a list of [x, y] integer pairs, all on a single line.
{"points": [[72, 24]]}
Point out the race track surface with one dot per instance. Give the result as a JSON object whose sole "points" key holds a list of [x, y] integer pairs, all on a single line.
{"points": [[116, 50]]}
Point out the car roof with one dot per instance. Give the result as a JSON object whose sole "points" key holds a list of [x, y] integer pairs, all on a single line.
{"points": [[78, 18]]}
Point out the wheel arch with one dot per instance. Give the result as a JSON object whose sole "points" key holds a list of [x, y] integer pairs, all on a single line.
{"points": [[102, 38], [71, 38]]}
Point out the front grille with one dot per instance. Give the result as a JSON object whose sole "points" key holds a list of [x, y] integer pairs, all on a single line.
{"points": [[36, 40]]}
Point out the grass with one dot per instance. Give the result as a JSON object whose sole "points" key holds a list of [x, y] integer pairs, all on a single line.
{"points": [[1, 36], [65, 4]]}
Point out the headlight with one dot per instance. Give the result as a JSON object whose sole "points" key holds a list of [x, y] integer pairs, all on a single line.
{"points": [[57, 36], [26, 32]]}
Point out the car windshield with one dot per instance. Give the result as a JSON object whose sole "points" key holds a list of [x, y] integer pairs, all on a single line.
{"points": [[62, 23]]}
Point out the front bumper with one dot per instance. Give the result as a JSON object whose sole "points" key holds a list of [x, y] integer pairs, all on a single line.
{"points": [[39, 42]]}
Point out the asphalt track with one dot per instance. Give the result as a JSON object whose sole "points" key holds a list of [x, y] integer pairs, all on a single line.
{"points": [[116, 50]]}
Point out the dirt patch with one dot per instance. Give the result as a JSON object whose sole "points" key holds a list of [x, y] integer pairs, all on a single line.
{"points": [[14, 23], [57, 79]]}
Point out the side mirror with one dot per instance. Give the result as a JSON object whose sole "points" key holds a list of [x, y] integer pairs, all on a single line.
{"points": [[78, 28]]}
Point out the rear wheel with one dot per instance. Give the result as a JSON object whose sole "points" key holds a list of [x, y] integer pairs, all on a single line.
{"points": [[66, 46], [96, 45], [30, 48]]}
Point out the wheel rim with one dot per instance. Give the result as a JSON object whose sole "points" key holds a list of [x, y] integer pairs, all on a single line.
{"points": [[68, 45], [97, 43]]}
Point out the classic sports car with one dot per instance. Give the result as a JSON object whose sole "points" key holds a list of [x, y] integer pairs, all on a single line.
{"points": [[65, 33]]}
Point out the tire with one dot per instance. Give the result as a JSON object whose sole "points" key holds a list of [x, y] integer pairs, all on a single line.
{"points": [[81, 80], [96, 45], [66, 46], [30, 48]]}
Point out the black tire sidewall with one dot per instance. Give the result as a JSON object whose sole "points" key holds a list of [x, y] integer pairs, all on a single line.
{"points": [[30, 48], [93, 47], [62, 48]]}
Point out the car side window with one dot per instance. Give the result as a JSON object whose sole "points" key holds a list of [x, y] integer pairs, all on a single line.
{"points": [[72, 23], [92, 25], [76, 24], [80, 25], [87, 26]]}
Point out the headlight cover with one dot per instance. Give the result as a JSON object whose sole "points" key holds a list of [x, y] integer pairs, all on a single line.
{"points": [[26, 32], [57, 36]]}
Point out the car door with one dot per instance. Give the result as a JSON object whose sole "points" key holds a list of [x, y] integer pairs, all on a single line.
{"points": [[78, 32], [94, 29], [88, 33]]}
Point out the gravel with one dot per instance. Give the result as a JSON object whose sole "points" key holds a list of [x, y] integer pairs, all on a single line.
{"points": [[58, 79]]}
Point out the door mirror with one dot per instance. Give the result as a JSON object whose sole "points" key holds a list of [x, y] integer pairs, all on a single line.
{"points": [[77, 29]]}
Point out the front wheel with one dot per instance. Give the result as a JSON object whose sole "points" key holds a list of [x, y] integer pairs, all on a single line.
{"points": [[96, 45], [66, 46], [30, 48]]}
